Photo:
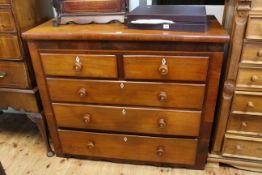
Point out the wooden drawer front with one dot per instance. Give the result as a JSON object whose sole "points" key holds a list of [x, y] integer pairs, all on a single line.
{"points": [[80, 65], [166, 150], [4, 2], [7, 23], [256, 5], [243, 147], [127, 93], [254, 27], [251, 124], [13, 74], [250, 78], [166, 67], [252, 53], [138, 120], [9, 47], [247, 102], [71, 6]]}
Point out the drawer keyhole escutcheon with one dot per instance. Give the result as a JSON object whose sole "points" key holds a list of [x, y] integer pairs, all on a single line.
{"points": [[3, 74], [122, 85], [160, 151], [250, 104], [162, 96], [90, 145], [123, 112], [82, 92], [162, 123], [254, 78], [78, 65], [87, 118], [125, 139], [163, 69]]}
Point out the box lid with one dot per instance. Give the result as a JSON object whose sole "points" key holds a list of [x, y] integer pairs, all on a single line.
{"points": [[175, 13]]}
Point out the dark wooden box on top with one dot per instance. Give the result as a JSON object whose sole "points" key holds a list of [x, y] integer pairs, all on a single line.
{"points": [[88, 11]]}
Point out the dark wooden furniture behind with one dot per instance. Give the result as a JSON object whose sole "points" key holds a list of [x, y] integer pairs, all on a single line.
{"points": [[17, 82], [89, 11], [137, 96], [237, 140]]}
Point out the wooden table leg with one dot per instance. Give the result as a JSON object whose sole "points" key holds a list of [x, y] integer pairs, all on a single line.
{"points": [[2, 170], [39, 120]]}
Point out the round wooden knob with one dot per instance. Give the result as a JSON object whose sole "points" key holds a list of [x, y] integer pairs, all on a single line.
{"points": [[162, 123], [82, 92], [238, 147], [78, 67], [90, 145], [254, 78], [87, 118], [162, 96], [163, 69], [259, 53], [160, 151], [250, 104]]}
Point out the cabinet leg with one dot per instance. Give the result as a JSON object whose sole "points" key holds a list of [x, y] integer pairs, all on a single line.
{"points": [[39, 120]]}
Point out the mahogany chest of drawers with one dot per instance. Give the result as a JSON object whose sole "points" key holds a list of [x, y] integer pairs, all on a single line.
{"points": [[111, 93]]}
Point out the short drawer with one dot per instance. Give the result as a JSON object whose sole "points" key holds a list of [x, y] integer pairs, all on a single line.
{"points": [[247, 102], [182, 68], [7, 22], [139, 148], [9, 47], [242, 147], [252, 53], [127, 119], [13, 74], [254, 28], [100, 66], [127, 93], [247, 124], [250, 78]]}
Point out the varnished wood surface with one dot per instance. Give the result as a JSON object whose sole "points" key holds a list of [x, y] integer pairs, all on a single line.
{"points": [[251, 53], [4, 1], [23, 152], [80, 65], [253, 27], [16, 75], [9, 47], [127, 93], [129, 147], [249, 78], [127, 119], [7, 21], [150, 66], [245, 124], [242, 147], [46, 31]]}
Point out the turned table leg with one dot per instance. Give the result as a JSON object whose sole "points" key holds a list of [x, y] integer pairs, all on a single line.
{"points": [[38, 119]]}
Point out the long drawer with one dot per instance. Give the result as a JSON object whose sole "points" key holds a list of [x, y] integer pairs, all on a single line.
{"points": [[139, 148], [242, 147], [9, 47], [127, 93], [80, 65], [247, 102], [13, 74], [126, 119], [7, 21], [166, 67], [4, 2], [249, 78], [245, 124]]}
